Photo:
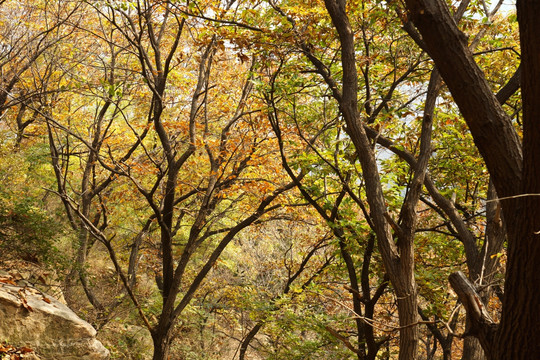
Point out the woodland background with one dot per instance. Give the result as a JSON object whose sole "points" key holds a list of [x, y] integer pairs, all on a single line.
{"points": [[196, 178]]}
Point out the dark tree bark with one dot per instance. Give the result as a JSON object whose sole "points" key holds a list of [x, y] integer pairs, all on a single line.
{"points": [[513, 165], [398, 257], [248, 338], [519, 333]]}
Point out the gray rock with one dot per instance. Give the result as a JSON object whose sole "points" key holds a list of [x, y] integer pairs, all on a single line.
{"points": [[32, 319]]}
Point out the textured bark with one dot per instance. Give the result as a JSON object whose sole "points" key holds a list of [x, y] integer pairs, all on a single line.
{"points": [[514, 167], [398, 261], [480, 323], [492, 129], [519, 334], [161, 338], [472, 349]]}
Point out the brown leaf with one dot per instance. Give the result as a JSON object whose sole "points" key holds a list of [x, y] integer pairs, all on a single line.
{"points": [[25, 350], [47, 300], [5, 348], [243, 58], [6, 280], [16, 275], [24, 303]]}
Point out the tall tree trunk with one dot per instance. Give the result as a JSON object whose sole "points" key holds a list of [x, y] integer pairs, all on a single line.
{"points": [[398, 260], [519, 333], [407, 301], [514, 166], [518, 336]]}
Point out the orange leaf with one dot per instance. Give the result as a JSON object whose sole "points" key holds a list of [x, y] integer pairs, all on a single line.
{"points": [[25, 350]]}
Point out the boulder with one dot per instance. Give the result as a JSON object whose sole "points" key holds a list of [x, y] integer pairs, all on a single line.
{"points": [[32, 319]]}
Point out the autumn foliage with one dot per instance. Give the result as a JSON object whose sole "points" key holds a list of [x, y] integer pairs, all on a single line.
{"points": [[265, 179]]}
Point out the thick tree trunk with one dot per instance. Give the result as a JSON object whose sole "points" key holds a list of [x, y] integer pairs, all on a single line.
{"points": [[514, 167], [472, 349], [161, 350], [519, 332], [518, 336]]}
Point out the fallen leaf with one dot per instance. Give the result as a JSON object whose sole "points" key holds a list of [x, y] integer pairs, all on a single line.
{"points": [[24, 303], [5, 348], [25, 350], [7, 281]]}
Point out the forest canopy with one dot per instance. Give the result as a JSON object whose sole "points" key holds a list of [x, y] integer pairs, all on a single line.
{"points": [[322, 179]]}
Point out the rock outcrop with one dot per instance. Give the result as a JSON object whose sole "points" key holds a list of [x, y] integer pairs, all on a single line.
{"points": [[32, 319]]}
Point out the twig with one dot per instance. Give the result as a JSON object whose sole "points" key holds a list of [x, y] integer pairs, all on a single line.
{"points": [[512, 197], [372, 322]]}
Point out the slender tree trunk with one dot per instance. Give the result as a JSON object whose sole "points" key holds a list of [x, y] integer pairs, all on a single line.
{"points": [[407, 302], [398, 262], [357, 305], [245, 343]]}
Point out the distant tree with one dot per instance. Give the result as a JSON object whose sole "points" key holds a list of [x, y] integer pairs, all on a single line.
{"points": [[29, 34]]}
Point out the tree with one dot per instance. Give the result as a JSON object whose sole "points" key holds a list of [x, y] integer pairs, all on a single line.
{"points": [[202, 175], [309, 43], [511, 161], [29, 33]]}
